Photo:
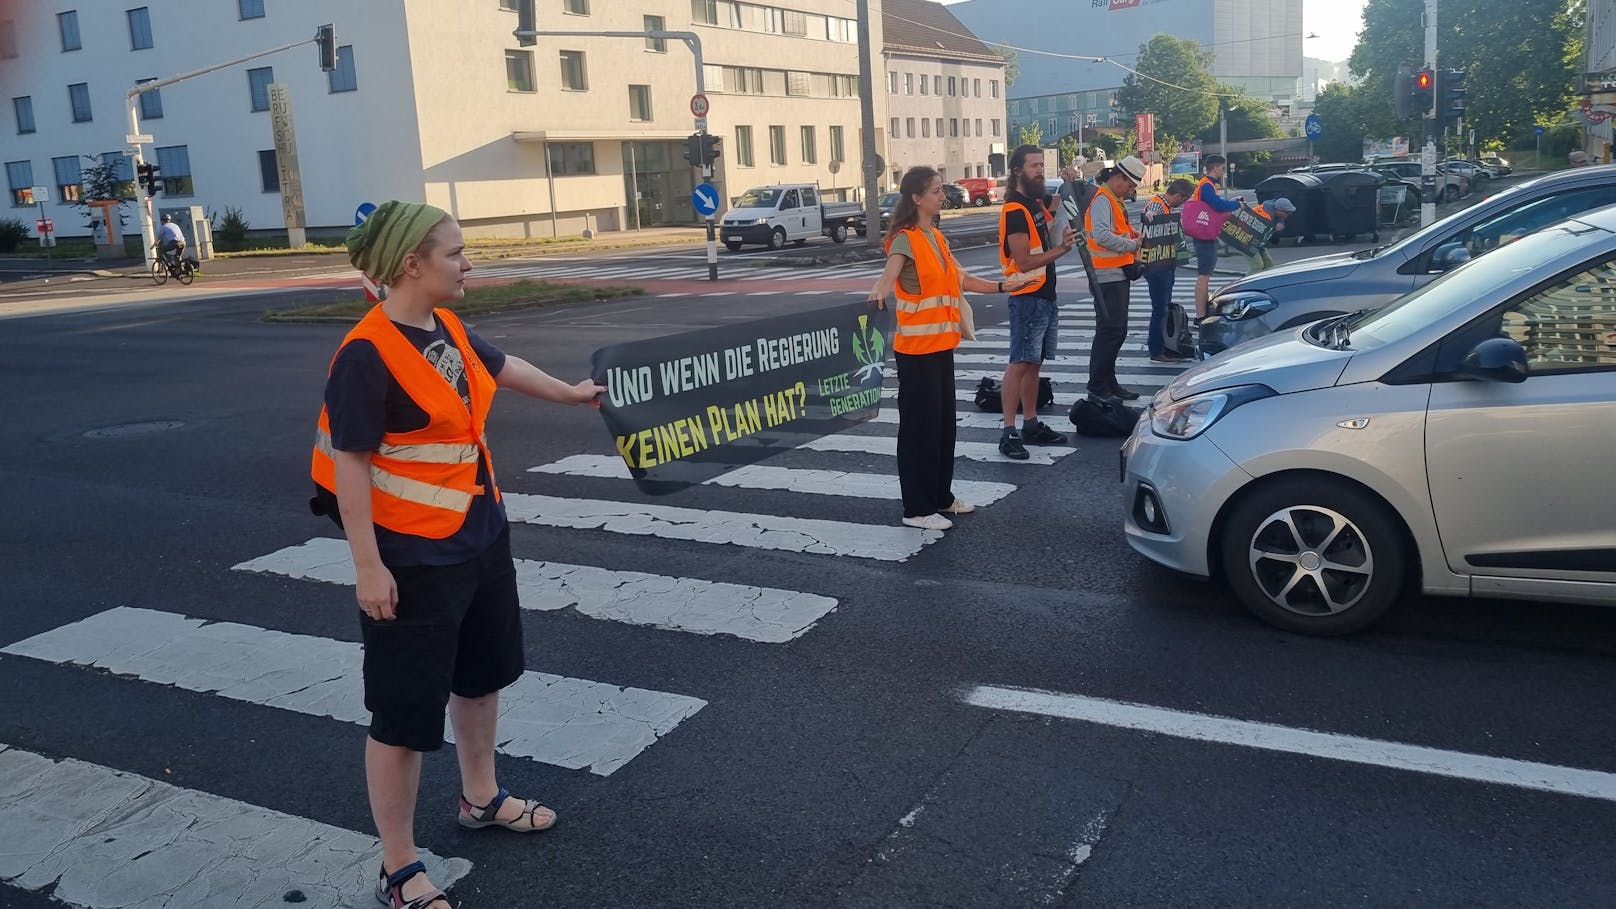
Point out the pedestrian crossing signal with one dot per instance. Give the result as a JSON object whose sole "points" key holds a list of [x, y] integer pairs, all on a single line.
{"points": [[150, 178], [325, 39]]}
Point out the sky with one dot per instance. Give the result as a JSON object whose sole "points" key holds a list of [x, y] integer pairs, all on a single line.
{"points": [[1336, 22]]}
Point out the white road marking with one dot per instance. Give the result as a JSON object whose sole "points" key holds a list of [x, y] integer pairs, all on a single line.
{"points": [[106, 839], [792, 479], [1479, 768], [571, 723], [970, 451], [1062, 399], [981, 359], [963, 419], [764, 614], [757, 531], [1058, 370]]}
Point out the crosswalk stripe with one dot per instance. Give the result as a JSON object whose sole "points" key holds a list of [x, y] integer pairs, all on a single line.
{"points": [[970, 451], [757, 531], [100, 838], [570, 723], [1062, 399], [792, 479], [980, 359], [963, 419], [1057, 370], [763, 614]]}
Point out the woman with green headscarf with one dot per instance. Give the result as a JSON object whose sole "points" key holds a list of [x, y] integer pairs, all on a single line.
{"points": [[401, 462]]}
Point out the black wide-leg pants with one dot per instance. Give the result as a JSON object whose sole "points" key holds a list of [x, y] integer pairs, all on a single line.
{"points": [[926, 431]]}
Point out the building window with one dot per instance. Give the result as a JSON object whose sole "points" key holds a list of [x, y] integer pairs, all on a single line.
{"points": [[656, 24], [951, 87], [953, 128], [269, 171], [842, 31], [577, 7], [925, 128], [908, 83], [704, 12], [810, 146], [923, 84], [345, 78], [777, 145], [20, 176], [519, 71], [574, 78], [797, 84], [1051, 131], [744, 80], [572, 158], [69, 178], [250, 9], [836, 141], [508, 4], [939, 127], [175, 163], [139, 28], [151, 103], [639, 102], [892, 82], [979, 127], [24, 108], [995, 127], [258, 86], [908, 128], [976, 87], [894, 127], [68, 24], [994, 85], [78, 94], [743, 146], [123, 170]]}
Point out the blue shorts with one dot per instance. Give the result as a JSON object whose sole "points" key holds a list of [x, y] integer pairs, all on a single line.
{"points": [[1033, 329], [1206, 256]]}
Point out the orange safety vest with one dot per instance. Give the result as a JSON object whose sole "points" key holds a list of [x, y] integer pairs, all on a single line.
{"points": [[1034, 247], [1204, 182], [930, 320], [1103, 257], [421, 482], [1160, 200]]}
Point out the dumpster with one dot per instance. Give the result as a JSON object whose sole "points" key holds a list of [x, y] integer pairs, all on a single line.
{"points": [[1306, 192], [1352, 202]]}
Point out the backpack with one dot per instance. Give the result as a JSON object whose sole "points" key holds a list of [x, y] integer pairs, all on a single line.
{"points": [[989, 397], [1177, 337], [1101, 417]]}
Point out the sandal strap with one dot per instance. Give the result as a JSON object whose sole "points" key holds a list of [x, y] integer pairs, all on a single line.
{"points": [[487, 812], [427, 899], [397, 878]]}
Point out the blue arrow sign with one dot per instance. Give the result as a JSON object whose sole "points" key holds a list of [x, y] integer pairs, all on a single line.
{"points": [[705, 198], [1314, 127], [1539, 130], [363, 212]]}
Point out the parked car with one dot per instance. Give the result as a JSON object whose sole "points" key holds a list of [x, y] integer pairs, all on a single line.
{"points": [[771, 215], [1478, 176], [983, 191], [954, 195], [886, 204], [1305, 291], [1449, 186], [1456, 442], [1498, 164]]}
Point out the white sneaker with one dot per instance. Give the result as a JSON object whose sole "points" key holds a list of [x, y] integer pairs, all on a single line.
{"points": [[929, 522], [960, 507]]}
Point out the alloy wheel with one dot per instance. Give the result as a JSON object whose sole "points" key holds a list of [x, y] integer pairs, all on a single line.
{"points": [[1311, 560]]}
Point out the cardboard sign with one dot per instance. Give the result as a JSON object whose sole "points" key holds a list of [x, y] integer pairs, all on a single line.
{"points": [[1245, 230], [686, 408], [1159, 240]]}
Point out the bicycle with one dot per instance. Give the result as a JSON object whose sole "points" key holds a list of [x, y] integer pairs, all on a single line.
{"points": [[173, 265]]}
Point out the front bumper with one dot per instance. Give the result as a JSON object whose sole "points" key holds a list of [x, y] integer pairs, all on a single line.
{"points": [[1188, 482], [745, 233]]}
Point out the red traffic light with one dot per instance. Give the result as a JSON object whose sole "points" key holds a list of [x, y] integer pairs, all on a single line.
{"points": [[1424, 80]]}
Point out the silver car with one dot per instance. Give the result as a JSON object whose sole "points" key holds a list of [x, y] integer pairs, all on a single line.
{"points": [[1297, 293], [1459, 442]]}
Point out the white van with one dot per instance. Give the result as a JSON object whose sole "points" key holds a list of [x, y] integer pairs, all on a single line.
{"points": [[771, 215]]}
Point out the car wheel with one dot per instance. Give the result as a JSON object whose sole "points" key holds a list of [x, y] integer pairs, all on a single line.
{"points": [[1313, 557], [777, 240], [981, 201], [732, 245], [838, 233], [1451, 194]]}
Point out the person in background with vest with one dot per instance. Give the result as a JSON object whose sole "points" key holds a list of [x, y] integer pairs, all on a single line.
{"points": [[1114, 247], [402, 464], [1160, 279], [1206, 251], [1275, 210], [1025, 248], [928, 283]]}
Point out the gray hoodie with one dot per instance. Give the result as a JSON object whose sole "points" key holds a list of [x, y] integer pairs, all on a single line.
{"points": [[1105, 234]]}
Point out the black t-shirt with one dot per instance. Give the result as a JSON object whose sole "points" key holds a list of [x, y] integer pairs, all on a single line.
{"points": [[363, 400], [1015, 222]]}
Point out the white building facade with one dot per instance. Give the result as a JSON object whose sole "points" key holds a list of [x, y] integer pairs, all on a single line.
{"points": [[435, 100], [944, 90]]}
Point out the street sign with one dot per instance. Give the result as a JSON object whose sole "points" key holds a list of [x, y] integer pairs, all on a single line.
{"points": [[139, 139], [705, 198], [41, 194], [835, 166], [1314, 127], [363, 212], [1538, 130], [698, 105], [701, 124], [45, 225]]}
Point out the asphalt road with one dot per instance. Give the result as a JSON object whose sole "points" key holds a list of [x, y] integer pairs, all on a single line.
{"points": [[851, 765]]}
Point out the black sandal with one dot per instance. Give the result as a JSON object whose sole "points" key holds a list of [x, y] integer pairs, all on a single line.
{"points": [[390, 893]]}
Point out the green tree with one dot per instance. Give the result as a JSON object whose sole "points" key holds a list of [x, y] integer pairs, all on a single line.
{"points": [[1069, 152], [101, 182], [1249, 118], [1032, 134], [1350, 115], [1012, 64], [1176, 85]]}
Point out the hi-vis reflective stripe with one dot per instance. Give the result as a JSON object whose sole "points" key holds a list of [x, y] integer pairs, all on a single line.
{"points": [[424, 452], [409, 489], [924, 303], [928, 328]]}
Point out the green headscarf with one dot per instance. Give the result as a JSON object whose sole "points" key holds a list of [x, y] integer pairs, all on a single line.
{"points": [[393, 231]]}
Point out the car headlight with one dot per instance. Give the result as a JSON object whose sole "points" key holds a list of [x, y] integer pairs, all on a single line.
{"points": [[761, 221], [1194, 415], [1244, 304]]}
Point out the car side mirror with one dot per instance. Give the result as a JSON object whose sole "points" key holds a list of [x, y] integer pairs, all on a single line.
{"points": [[1449, 256], [1496, 360]]}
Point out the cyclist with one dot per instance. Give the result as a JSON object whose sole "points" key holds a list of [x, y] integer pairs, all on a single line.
{"points": [[171, 241]]}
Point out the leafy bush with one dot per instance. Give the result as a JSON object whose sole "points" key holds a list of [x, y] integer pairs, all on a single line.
{"points": [[231, 233], [13, 231]]}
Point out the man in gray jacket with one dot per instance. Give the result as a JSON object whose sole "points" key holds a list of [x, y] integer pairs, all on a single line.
{"points": [[1114, 247]]}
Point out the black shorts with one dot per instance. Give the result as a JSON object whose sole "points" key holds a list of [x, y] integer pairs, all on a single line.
{"points": [[459, 630]]}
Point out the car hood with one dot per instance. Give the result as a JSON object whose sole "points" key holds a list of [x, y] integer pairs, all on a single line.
{"points": [[1282, 361], [747, 214], [1302, 271]]}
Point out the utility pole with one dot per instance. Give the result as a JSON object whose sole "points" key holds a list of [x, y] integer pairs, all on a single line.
{"points": [[873, 165], [1428, 152]]}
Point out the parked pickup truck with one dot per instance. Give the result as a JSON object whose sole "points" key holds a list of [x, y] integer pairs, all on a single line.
{"points": [[771, 215]]}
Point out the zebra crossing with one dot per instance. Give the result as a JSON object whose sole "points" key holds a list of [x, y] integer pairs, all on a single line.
{"points": [[751, 270], [73, 814]]}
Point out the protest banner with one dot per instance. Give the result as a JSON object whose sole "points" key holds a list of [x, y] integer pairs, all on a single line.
{"points": [[1244, 230], [1159, 241], [686, 408]]}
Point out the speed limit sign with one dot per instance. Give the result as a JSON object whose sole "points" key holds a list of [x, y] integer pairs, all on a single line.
{"points": [[698, 105]]}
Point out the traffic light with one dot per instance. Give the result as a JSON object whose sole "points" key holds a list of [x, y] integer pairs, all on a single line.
{"points": [[693, 149], [325, 40], [150, 178], [526, 21], [710, 149], [1451, 91], [1422, 91], [1412, 91]]}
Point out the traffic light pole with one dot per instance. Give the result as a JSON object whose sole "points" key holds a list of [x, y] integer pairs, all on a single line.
{"points": [[1428, 151]]}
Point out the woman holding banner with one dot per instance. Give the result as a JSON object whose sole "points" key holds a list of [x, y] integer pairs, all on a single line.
{"points": [[401, 463], [928, 283]]}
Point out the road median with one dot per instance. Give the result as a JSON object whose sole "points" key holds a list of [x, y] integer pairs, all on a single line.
{"points": [[483, 300]]}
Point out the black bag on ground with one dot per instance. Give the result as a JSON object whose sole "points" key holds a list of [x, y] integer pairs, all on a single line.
{"points": [[1177, 334], [1093, 417], [989, 396]]}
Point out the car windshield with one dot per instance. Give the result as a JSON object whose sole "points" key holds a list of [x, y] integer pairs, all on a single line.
{"points": [[762, 197], [889, 200], [1477, 279], [1417, 240]]}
